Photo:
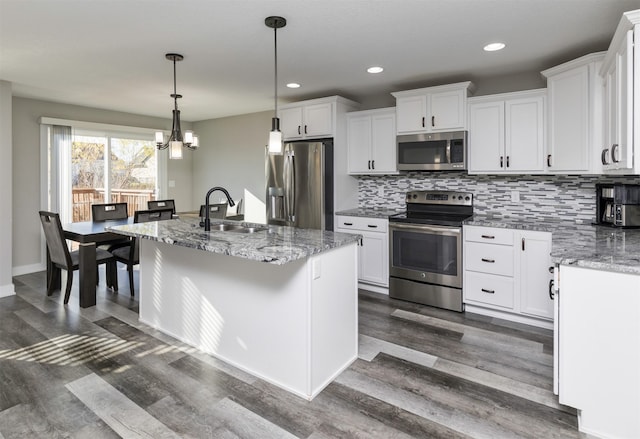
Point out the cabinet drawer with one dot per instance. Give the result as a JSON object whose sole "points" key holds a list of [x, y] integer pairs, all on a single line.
{"points": [[485, 258], [362, 223], [488, 289], [488, 234]]}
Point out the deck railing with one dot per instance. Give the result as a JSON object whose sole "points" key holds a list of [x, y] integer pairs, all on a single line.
{"points": [[83, 198]]}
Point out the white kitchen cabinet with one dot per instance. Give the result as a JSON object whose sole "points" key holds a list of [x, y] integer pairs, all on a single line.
{"points": [[506, 274], [506, 133], [371, 141], [621, 73], [432, 109], [574, 116], [598, 355], [312, 119], [373, 253]]}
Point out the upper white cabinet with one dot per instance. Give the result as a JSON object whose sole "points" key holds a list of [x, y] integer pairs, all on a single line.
{"points": [[432, 109], [506, 133], [371, 141], [621, 73], [574, 118], [311, 119]]}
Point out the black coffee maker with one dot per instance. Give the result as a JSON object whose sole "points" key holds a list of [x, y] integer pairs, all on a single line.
{"points": [[618, 205]]}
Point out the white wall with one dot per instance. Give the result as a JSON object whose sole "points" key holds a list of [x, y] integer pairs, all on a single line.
{"points": [[26, 250], [231, 155], [6, 219]]}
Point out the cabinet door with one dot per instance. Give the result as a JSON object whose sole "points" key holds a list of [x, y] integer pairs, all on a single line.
{"points": [[486, 136], [622, 154], [524, 134], [318, 120], [291, 123], [411, 114], [359, 144], [535, 278], [569, 142], [447, 110], [374, 258], [383, 143]]}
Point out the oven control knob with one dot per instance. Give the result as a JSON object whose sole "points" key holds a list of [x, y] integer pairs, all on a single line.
{"points": [[467, 198], [415, 196], [423, 275], [459, 197]]}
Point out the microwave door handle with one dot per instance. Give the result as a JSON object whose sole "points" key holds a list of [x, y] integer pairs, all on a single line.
{"points": [[448, 151]]}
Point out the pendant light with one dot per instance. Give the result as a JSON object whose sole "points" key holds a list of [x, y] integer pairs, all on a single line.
{"points": [[176, 140], [275, 136]]}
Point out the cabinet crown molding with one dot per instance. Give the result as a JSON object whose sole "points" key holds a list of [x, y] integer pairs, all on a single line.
{"points": [[570, 65], [509, 95], [628, 21], [328, 99], [438, 88]]}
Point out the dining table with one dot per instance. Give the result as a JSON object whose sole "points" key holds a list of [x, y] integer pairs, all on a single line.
{"points": [[88, 234]]}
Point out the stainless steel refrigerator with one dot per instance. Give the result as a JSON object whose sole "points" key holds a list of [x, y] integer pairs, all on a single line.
{"points": [[300, 185]]}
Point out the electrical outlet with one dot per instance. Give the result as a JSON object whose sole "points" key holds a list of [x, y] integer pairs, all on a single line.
{"points": [[316, 269], [515, 196], [172, 183]]}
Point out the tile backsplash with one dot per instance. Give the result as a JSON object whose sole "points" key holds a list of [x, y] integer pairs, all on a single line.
{"points": [[540, 196]]}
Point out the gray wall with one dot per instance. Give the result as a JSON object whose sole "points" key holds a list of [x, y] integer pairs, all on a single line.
{"points": [[231, 155], [26, 166], [6, 181]]}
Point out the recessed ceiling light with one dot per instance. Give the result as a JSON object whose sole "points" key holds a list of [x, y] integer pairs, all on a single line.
{"points": [[494, 46], [293, 85], [375, 69]]}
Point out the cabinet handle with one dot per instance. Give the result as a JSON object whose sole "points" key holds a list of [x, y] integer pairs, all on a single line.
{"points": [[348, 224], [422, 121], [501, 161], [522, 244], [373, 226], [551, 269], [491, 261], [368, 164], [488, 236], [373, 164], [361, 243], [551, 293], [305, 129], [507, 161], [299, 130], [433, 121], [614, 153], [603, 157], [549, 160], [484, 290]]}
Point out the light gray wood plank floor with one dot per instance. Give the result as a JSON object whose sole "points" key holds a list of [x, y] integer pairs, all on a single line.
{"points": [[422, 372]]}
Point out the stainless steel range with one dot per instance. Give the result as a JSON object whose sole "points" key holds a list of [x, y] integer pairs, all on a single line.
{"points": [[425, 248]]}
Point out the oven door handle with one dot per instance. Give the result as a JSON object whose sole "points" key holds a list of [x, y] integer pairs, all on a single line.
{"points": [[425, 228]]}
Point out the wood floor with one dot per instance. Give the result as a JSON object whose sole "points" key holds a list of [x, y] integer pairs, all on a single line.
{"points": [[422, 372]]}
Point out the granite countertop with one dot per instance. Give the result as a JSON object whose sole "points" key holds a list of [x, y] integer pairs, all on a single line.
{"points": [[583, 245], [274, 244], [370, 212]]}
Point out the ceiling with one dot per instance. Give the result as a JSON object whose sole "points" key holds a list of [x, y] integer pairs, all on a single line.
{"points": [[109, 54]]}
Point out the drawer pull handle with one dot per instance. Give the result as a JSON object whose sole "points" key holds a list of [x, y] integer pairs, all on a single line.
{"points": [[373, 226], [491, 261], [348, 224], [551, 269], [484, 290], [488, 236]]}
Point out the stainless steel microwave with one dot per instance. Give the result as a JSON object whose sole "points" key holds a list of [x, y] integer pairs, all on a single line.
{"points": [[432, 151]]}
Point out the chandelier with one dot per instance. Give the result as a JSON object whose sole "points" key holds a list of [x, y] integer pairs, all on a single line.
{"points": [[176, 140], [275, 135]]}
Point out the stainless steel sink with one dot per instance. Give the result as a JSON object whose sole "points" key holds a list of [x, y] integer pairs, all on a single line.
{"points": [[235, 228]]}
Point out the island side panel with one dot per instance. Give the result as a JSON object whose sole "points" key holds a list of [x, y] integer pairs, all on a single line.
{"points": [[334, 314], [599, 349], [250, 314]]}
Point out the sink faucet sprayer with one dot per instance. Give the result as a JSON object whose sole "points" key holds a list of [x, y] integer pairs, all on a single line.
{"points": [[207, 221]]}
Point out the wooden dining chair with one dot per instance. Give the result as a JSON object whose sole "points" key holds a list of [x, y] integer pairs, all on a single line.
{"points": [[59, 253], [109, 211], [162, 204], [130, 254]]}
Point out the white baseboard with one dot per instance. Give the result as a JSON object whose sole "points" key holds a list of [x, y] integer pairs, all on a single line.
{"points": [[518, 318], [373, 288], [26, 269], [7, 290]]}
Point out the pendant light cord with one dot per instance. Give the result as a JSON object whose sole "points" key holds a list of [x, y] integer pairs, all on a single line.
{"points": [[275, 67]]}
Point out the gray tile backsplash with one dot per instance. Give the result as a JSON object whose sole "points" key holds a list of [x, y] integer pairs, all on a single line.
{"points": [[567, 197]]}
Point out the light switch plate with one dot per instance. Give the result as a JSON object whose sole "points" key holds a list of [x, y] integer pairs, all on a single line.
{"points": [[316, 268], [172, 183]]}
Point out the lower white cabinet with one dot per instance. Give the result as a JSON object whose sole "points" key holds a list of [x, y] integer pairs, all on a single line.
{"points": [[507, 274], [373, 254]]}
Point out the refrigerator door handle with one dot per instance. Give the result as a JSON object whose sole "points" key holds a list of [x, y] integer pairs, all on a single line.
{"points": [[292, 187], [286, 169]]}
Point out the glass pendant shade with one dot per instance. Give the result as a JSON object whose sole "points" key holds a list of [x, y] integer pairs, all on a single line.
{"points": [[175, 150], [275, 142]]}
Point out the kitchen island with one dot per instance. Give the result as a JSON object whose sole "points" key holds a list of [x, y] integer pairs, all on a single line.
{"points": [[277, 302]]}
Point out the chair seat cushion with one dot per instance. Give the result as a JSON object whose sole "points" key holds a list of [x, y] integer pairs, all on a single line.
{"points": [[122, 253], [101, 256]]}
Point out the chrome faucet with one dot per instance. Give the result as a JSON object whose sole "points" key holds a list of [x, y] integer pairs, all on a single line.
{"points": [[207, 221]]}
